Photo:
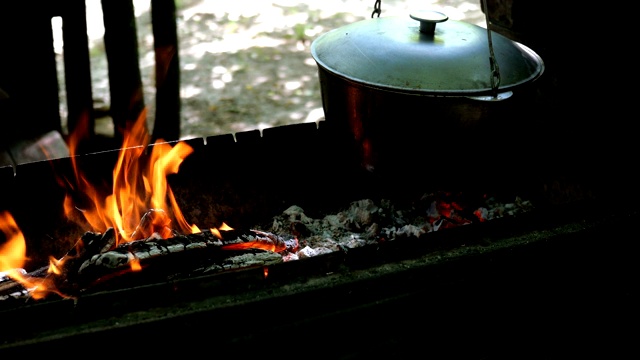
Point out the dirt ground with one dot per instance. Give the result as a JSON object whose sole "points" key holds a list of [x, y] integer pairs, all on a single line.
{"points": [[247, 64]]}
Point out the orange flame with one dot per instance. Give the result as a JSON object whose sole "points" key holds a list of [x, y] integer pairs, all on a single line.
{"points": [[141, 204], [223, 227], [13, 253], [136, 189], [13, 257], [135, 265]]}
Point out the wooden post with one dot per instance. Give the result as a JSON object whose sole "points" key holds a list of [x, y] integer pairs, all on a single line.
{"points": [[80, 119], [32, 107], [167, 115], [121, 44]]}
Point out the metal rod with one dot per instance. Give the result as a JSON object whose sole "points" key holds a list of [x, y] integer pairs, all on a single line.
{"points": [[495, 69]]}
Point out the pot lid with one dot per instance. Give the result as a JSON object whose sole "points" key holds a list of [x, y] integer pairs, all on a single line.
{"points": [[425, 53]]}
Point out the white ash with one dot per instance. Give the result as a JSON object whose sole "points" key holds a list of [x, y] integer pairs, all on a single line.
{"points": [[110, 260], [363, 222], [291, 256], [308, 251], [4, 275], [366, 222], [406, 231], [17, 295]]}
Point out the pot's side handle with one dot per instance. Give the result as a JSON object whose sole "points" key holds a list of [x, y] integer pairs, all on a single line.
{"points": [[428, 20], [497, 97]]}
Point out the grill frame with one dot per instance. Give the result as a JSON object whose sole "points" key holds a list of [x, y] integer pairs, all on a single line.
{"points": [[562, 257]]}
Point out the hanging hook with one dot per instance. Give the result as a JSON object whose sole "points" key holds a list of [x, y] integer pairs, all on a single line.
{"points": [[377, 8], [495, 69]]}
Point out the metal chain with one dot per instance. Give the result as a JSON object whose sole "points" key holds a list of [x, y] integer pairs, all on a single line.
{"points": [[377, 8], [495, 69]]}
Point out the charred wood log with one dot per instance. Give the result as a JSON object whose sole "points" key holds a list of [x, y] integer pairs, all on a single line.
{"points": [[10, 288], [192, 253], [95, 260], [128, 254]]}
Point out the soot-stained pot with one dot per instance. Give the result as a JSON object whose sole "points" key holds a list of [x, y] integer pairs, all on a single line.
{"points": [[420, 90]]}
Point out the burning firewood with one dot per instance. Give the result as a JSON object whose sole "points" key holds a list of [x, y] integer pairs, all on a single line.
{"points": [[247, 248], [126, 254], [95, 259], [10, 288]]}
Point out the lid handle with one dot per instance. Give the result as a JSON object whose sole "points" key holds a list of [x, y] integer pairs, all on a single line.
{"points": [[428, 20]]}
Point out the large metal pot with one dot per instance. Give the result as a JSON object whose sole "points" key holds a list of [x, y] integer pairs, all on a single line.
{"points": [[422, 87]]}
